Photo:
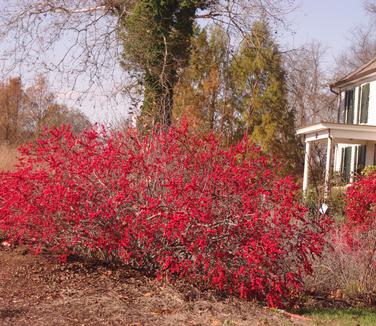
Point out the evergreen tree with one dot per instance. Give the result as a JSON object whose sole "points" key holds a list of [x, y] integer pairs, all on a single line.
{"points": [[203, 94], [261, 96]]}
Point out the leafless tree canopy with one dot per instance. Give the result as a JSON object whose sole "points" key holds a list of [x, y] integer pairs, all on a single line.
{"points": [[363, 44], [73, 39], [25, 112], [370, 6], [78, 41], [307, 82], [361, 50]]}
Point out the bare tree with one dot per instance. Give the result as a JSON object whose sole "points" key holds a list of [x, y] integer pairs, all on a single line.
{"points": [[361, 50], [370, 6], [311, 99], [75, 40], [26, 112], [78, 41], [308, 87], [40, 110]]}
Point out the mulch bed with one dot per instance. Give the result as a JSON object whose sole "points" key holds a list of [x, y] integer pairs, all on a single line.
{"points": [[38, 290]]}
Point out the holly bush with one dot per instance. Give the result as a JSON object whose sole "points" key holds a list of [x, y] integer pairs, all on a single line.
{"points": [[168, 202]]}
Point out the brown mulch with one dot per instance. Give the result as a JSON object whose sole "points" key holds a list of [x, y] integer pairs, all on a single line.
{"points": [[37, 290]]}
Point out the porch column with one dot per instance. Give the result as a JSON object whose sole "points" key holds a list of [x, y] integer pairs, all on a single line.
{"points": [[328, 166], [306, 167], [353, 163]]}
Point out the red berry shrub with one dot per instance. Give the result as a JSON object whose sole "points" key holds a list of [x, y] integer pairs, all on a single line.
{"points": [[361, 202], [166, 202], [360, 226]]}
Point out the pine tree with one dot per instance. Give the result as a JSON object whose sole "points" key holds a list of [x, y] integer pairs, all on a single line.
{"points": [[261, 96], [203, 95]]}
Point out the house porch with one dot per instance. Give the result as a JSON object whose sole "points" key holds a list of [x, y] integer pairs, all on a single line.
{"points": [[335, 134]]}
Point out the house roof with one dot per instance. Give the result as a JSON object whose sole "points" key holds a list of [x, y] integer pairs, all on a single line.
{"points": [[342, 133], [335, 126], [363, 71]]}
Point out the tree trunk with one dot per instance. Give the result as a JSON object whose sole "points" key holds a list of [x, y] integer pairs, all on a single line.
{"points": [[158, 101], [166, 105]]}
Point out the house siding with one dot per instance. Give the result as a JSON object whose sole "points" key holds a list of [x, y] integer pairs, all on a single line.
{"points": [[341, 110], [371, 109], [372, 104], [371, 121]]}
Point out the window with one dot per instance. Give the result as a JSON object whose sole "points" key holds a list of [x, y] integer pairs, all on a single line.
{"points": [[361, 158], [364, 104], [349, 106]]}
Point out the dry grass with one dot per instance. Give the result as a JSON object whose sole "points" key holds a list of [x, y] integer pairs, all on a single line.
{"points": [[8, 157], [347, 272]]}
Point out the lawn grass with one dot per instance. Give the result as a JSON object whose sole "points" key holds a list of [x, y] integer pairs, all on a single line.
{"points": [[342, 317]]}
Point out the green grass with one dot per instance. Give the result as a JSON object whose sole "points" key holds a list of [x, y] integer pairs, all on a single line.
{"points": [[342, 317]]}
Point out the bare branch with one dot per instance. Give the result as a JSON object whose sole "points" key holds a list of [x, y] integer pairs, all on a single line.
{"points": [[78, 42], [307, 83], [54, 9]]}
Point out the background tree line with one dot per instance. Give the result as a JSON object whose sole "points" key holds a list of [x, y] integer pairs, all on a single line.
{"points": [[25, 112]]}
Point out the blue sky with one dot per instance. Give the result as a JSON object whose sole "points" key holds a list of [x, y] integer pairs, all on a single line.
{"points": [[327, 21]]}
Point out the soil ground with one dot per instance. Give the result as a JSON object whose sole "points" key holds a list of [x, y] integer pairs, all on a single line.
{"points": [[38, 290]]}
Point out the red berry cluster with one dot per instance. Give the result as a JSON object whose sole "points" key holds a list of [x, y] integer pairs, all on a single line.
{"points": [[361, 201]]}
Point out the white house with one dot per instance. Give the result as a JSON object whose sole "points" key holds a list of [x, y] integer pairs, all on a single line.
{"points": [[351, 142]]}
